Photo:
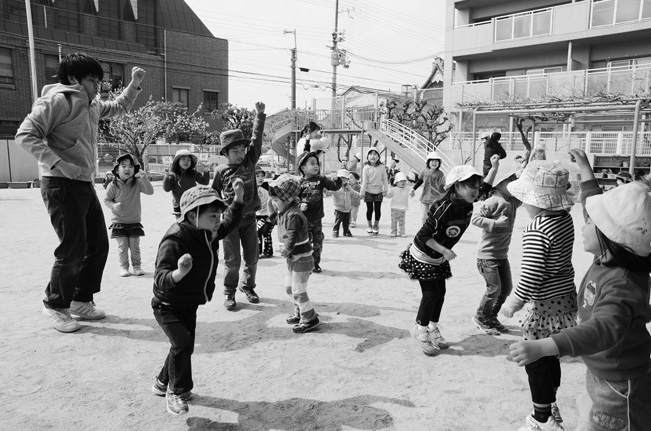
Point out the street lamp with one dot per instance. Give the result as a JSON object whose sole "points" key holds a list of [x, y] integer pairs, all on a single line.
{"points": [[293, 68]]}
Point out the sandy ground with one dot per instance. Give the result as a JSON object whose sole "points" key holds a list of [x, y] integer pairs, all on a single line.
{"points": [[359, 371]]}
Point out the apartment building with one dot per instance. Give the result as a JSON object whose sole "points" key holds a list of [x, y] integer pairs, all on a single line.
{"points": [[513, 50], [184, 62]]}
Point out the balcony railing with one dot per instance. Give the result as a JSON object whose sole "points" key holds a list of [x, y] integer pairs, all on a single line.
{"points": [[522, 25], [625, 80]]}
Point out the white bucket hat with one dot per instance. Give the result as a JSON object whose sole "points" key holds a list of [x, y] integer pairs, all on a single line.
{"points": [[343, 173], [400, 177], [623, 214], [458, 174], [433, 156], [543, 184]]}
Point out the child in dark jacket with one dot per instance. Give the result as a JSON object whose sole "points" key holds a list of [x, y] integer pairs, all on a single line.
{"points": [[186, 265], [311, 197], [185, 174]]}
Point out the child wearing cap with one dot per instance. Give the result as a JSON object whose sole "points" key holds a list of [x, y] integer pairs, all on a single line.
{"points": [[495, 217], [242, 158], [342, 198], [311, 197], [399, 196], [611, 336], [375, 185], [295, 247], [264, 225], [432, 179], [108, 177], [186, 265], [186, 173], [355, 198], [547, 279], [123, 198], [427, 259]]}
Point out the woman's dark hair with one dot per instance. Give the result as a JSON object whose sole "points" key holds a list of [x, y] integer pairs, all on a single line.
{"points": [[79, 66], [432, 160], [623, 257]]}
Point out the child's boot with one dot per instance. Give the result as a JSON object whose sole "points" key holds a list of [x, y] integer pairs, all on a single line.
{"points": [[369, 229], [376, 227]]}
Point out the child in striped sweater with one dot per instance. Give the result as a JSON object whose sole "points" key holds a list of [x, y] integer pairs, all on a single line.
{"points": [[546, 281]]}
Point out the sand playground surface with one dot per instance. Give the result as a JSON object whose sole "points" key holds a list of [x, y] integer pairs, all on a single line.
{"points": [[360, 370]]}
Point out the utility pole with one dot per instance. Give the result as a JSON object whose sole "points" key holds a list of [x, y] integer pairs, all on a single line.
{"points": [[32, 60], [294, 54], [335, 52]]}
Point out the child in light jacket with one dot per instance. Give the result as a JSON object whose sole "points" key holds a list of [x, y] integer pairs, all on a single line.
{"points": [[399, 196]]}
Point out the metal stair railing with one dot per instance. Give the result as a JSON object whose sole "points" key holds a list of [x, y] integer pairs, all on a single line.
{"points": [[413, 141]]}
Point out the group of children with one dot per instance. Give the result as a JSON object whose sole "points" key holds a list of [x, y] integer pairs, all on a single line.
{"points": [[604, 323]]}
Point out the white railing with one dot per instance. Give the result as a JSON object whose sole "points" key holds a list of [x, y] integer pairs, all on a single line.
{"points": [[412, 140], [603, 13], [624, 80], [522, 25]]}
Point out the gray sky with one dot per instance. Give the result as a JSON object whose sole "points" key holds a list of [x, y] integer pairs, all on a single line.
{"points": [[389, 43]]}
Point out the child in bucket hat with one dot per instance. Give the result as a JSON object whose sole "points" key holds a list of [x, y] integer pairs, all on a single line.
{"points": [[186, 265], [399, 196], [185, 173], [427, 258], [242, 158], [611, 336], [547, 278], [296, 248], [123, 199]]}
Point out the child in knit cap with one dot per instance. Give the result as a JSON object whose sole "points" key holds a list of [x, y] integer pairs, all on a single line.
{"points": [[296, 248]]}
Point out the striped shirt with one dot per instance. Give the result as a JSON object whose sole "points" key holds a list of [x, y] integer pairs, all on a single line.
{"points": [[547, 270]]}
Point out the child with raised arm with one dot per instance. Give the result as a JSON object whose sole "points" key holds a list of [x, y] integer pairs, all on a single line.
{"points": [[432, 179], [546, 281], [375, 185], [185, 173], [399, 196], [296, 248], [242, 154], [186, 265], [496, 217], [313, 185], [61, 133], [123, 198], [611, 337]]}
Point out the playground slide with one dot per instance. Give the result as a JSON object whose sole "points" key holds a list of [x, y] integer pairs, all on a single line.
{"points": [[279, 142]]}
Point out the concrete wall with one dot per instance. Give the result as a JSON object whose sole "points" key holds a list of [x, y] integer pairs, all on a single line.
{"points": [[15, 163]]}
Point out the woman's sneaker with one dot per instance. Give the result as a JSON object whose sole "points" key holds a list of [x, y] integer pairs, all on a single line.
{"points": [[437, 339], [423, 339]]}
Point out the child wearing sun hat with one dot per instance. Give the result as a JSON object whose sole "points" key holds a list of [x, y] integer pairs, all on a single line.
{"points": [[547, 279], [612, 336]]}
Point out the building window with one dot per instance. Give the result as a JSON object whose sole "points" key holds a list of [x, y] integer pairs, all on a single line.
{"points": [[113, 77], [51, 63], [609, 12], [6, 67], [109, 20], [15, 11], [66, 16], [210, 100], [181, 95]]}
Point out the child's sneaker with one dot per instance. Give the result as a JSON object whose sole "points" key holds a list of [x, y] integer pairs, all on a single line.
{"points": [[424, 341], [159, 388], [437, 339], [348, 234], [557, 413], [369, 229], [498, 325], [61, 320], [229, 302], [393, 235], [353, 224], [176, 404], [335, 234], [532, 424], [138, 271], [376, 229], [86, 310], [306, 326], [124, 272], [484, 325], [293, 319], [251, 296]]}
